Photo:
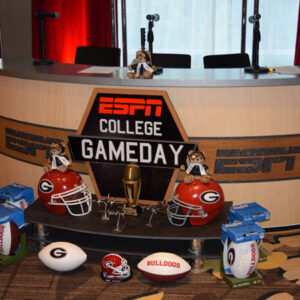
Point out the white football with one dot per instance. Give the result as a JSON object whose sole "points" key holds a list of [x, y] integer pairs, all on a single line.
{"points": [[10, 237], [163, 267], [242, 258], [62, 256]]}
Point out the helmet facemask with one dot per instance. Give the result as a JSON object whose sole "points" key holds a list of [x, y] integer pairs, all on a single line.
{"points": [[77, 201], [180, 210]]}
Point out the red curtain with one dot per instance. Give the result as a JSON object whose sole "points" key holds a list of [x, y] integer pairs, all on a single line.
{"points": [[80, 23], [297, 50]]}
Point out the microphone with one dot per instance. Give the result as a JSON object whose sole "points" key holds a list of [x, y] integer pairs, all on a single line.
{"points": [[254, 18], [44, 15], [154, 17]]}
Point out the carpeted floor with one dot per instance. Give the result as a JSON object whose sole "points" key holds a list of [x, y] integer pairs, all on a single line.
{"points": [[29, 279]]}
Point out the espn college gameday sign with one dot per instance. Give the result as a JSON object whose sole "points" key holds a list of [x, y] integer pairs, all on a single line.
{"points": [[131, 126]]}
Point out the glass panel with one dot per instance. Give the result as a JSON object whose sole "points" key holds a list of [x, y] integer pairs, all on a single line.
{"points": [[203, 27]]}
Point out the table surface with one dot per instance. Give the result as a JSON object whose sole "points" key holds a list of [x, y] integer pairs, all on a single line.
{"points": [[23, 67], [135, 226]]}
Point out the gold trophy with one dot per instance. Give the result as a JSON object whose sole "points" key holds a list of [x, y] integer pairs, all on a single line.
{"points": [[132, 188]]}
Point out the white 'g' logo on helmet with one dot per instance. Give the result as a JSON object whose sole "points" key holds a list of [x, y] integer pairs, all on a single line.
{"points": [[46, 186], [210, 197]]}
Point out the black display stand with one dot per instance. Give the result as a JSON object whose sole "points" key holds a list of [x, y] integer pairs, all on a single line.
{"points": [[255, 68], [42, 17], [150, 39], [91, 233]]}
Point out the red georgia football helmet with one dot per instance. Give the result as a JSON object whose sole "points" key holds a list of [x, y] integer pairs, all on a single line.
{"points": [[199, 202], [115, 268], [64, 192]]}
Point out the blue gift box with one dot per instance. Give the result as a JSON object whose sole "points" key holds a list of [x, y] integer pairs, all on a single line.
{"points": [[248, 212], [18, 195], [240, 232], [9, 212]]}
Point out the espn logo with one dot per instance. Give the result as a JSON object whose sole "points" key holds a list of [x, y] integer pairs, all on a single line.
{"points": [[130, 106]]}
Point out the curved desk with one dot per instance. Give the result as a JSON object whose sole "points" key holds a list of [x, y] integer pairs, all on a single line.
{"points": [[255, 116]]}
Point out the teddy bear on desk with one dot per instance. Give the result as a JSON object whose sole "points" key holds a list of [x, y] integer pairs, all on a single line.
{"points": [[141, 66]]}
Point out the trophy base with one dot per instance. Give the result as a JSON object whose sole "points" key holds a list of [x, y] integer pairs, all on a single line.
{"points": [[133, 211]]}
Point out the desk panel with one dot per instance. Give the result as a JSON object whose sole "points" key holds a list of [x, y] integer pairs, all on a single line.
{"points": [[239, 110]]}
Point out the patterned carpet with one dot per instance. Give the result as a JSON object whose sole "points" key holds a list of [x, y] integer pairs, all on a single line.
{"points": [[29, 279]]}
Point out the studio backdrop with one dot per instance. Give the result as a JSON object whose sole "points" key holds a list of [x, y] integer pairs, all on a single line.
{"points": [[80, 23], [195, 27]]}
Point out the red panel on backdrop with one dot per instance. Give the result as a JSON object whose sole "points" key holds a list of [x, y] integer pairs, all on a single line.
{"points": [[297, 50], [80, 23]]}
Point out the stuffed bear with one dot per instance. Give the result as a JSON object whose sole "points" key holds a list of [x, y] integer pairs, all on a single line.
{"points": [[141, 66], [57, 158], [196, 168]]}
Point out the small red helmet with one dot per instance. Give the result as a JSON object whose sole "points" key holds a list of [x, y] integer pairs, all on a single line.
{"points": [[199, 202], [64, 192], [115, 268]]}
